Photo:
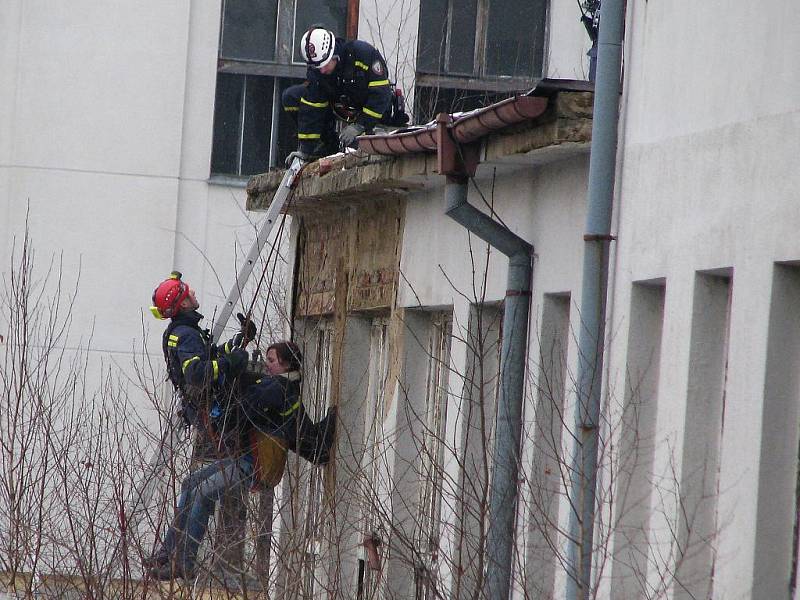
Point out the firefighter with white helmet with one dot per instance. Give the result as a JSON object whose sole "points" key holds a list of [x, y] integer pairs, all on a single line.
{"points": [[345, 79]]}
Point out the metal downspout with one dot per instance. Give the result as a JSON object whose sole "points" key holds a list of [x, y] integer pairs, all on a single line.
{"points": [[602, 169], [505, 474]]}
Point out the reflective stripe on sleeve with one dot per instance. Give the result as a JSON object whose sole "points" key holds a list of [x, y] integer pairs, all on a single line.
{"points": [[361, 65], [309, 136], [314, 104], [378, 83], [173, 341], [186, 363], [291, 409], [291, 108], [215, 364], [371, 113]]}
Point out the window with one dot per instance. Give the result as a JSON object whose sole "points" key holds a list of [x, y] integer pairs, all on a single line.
{"points": [[477, 413], [248, 30], [374, 468], [481, 38], [242, 124], [316, 393], [475, 52], [258, 60], [427, 534]]}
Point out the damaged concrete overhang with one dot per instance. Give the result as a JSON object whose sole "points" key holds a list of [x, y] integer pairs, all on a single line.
{"points": [[551, 122]]}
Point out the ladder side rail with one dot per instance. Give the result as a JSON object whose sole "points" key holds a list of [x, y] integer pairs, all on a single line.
{"points": [[275, 207]]}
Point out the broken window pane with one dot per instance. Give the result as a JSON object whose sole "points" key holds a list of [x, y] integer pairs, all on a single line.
{"points": [[248, 30]]}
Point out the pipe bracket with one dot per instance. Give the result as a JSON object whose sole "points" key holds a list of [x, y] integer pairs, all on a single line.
{"points": [[599, 237]]}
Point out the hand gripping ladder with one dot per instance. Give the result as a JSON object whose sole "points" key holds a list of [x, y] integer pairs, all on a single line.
{"points": [[170, 437]]}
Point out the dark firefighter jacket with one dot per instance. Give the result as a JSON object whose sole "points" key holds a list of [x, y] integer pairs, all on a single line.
{"points": [[273, 405], [204, 374], [360, 80]]}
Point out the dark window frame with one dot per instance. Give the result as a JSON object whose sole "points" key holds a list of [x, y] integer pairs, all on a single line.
{"points": [[282, 70], [480, 74]]}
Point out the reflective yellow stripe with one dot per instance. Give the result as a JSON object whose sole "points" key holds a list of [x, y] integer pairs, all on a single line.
{"points": [[291, 108], [378, 83], [314, 104], [173, 341], [216, 368], [174, 337], [361, 65], [172, 344], [227, 347], [371, 113], [309, 136], [187, 362], [258, 381], [293, 408]]}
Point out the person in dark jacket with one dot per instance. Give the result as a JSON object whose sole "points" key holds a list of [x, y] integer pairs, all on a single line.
{"points": [[274, 406], [345, 78], [203, 374]]}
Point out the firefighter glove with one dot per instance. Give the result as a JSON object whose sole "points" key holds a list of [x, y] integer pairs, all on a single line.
{"points": [[247, 332], [304, 156], [237, 361], [350, 133]]}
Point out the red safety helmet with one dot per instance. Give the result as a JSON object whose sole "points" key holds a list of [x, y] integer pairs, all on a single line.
{"points": [[168, 296]]}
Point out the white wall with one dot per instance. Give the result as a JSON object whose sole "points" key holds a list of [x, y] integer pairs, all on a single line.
{"points": [[708, 181], [106, 115]]}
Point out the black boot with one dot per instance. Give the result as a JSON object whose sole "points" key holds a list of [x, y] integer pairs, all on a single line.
{"points": [[155, 560], [177, 569], [327, 428]]}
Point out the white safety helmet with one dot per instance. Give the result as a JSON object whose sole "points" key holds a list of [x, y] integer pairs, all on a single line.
{"points": [[317, 47]]}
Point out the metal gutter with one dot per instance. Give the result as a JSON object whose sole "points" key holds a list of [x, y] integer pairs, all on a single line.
{"points": [[458, 162], [465, 128]]}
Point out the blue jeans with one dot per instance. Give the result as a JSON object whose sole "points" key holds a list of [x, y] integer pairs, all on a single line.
{"points": [[200, 492]]}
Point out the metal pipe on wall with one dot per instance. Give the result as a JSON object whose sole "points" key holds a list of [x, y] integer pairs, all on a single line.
{"points": [[602, 170], [503, 493]]}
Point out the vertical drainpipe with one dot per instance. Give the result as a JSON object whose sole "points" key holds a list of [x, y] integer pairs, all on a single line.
{"points": [[602, 168], [505, 473]]}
